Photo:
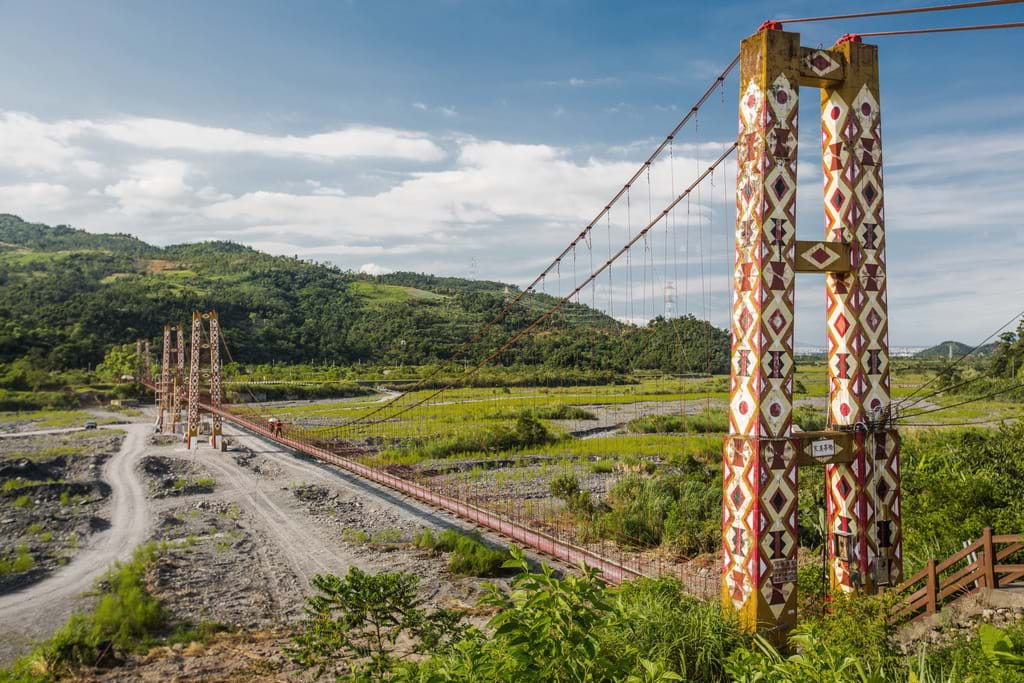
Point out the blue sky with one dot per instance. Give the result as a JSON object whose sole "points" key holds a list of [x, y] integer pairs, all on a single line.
{"points": [[457, 137]]}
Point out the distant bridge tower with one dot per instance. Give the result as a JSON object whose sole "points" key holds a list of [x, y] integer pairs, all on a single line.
{"points": [[670, 298], [179, 387], [204, 370], [165, 387], [147, 361], [860, 451]]}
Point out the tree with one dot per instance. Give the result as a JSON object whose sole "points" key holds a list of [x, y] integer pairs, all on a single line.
{"points": [[120, 360]]}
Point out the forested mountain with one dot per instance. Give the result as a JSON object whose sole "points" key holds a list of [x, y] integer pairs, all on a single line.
{"points": [[66, 296]]}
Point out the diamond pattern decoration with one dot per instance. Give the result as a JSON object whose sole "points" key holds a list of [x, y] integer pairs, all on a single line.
{"points": [[820, 62]]}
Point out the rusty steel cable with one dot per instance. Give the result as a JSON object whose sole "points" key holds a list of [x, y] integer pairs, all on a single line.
{"points": [[948, 29], [908, 10]]}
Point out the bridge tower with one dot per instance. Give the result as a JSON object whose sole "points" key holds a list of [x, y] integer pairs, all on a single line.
{"points": [[204, 369], [147, 361], [179, 384], [860, 450], [165, 387]]}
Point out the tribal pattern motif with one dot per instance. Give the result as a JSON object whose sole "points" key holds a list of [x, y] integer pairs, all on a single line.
{"points": [[759, 537], [857, 319]]}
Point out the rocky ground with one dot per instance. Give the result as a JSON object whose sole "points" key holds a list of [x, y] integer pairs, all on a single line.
{"points": [[243, 532], [52, 500]]}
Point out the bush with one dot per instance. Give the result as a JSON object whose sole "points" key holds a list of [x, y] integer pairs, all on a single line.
{"points": [[21, 562], [469, 555], [569, 629], [682, 511], [706, 422], [564, 486], [353, 624]]}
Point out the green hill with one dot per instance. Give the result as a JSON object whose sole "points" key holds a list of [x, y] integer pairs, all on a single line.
{"points": [[66, 296], [954, 350]]}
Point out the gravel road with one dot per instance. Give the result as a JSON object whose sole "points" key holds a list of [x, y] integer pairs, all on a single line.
{"points": [[35, 611]]}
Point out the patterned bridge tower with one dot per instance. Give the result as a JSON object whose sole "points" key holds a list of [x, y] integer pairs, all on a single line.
{"points": [[204, 369], [860, 450], [179, 385], [863, 496], [164, 389], [759, 461]]}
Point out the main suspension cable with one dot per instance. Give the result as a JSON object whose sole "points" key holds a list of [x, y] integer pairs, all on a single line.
{"points": [[561, 302], [908, 10], [948, 29]]}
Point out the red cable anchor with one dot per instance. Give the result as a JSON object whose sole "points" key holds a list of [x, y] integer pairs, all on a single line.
{"points": [[849, 38], [770, 25]]}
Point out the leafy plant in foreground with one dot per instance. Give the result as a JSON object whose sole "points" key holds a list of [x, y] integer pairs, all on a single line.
{"points": [[353, 624]]}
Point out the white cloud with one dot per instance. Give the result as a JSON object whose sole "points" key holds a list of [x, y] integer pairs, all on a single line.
{"points": [[33, 199], [373, 269], [447, 112], [577, 82], [353, 142], [152, 186], [28, 143]]}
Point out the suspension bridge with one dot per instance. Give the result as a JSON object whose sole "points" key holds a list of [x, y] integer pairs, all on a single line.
{"points": [[648, 253]]}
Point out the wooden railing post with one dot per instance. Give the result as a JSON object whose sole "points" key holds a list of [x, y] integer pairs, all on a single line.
{"points": [[932, 597], [989, 555]]}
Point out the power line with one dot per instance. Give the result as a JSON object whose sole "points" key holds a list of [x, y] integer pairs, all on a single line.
{"points": [[1006, 390], [909, 10], [959, 360]]}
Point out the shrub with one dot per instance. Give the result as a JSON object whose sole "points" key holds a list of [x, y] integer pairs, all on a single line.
{"points": [[602, 466], [353, 624], [21, 562], [23, 502], [564, 486], [706, 422], [679, 510], [469, 555]]}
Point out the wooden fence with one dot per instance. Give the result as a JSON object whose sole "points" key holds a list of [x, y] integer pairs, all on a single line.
{"points": [[981, 564]]}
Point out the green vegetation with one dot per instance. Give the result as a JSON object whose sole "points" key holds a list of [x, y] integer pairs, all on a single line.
{"points": [[527, 431], [125, 617], [469, 556], [59, 281], [706, 422], [353, 625], [957, 482], [555, 629], [21, 562]]}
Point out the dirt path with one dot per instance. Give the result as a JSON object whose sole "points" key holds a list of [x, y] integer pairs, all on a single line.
{"points": [[35, 611]]}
